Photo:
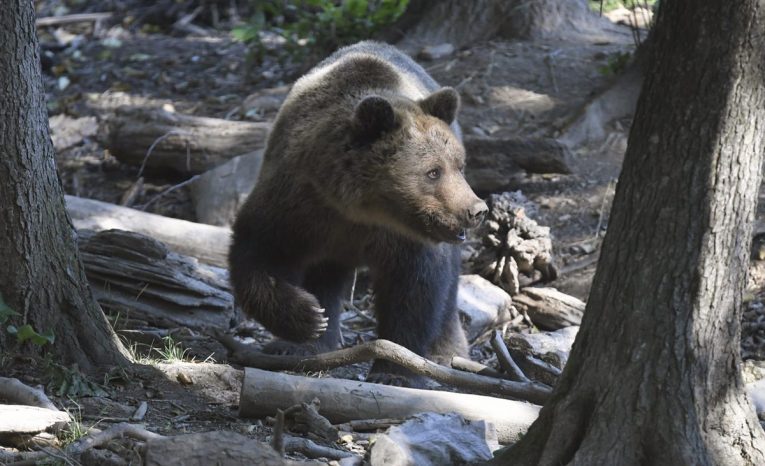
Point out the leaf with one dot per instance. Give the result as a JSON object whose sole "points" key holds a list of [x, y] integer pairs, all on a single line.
{"points": [[5, 311], [26, 332]]}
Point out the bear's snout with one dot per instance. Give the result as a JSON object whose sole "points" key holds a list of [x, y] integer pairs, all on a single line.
{"points": [[476, 213]]}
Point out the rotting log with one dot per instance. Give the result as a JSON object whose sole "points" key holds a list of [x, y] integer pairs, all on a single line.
{"points": [[160, 140], [264, 392], [207, 243], [130, 271], [550, 309]]}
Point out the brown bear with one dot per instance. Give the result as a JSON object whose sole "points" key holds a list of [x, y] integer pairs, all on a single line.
{"points": [[363, 167]]}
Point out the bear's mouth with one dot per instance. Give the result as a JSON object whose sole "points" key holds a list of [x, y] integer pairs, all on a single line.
{"points": [[450, 235]]}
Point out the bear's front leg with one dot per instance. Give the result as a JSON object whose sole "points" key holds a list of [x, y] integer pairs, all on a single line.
{"points": [[415, 292], [327, 281], [268, 291]]}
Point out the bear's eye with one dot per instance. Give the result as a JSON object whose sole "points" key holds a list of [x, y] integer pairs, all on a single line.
{"points": [[434, 174]]}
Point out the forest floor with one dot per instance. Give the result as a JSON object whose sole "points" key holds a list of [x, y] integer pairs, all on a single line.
{"points": [[509, 88]]}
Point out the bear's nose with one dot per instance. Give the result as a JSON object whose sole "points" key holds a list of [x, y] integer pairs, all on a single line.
{"points": [[477, 212]]}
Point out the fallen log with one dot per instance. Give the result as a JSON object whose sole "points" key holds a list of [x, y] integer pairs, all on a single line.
{"points": [[132, 272], [160, 140], [207, 243], [343, 400], [389, 351], [492, 163], [549, 309]]}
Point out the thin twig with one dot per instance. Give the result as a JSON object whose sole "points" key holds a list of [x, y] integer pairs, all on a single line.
{"points": [[367, 425], [168, 191], [117, 431], [505, 360], [174, 132], [311, 449], [69, 19], [389, 351]]}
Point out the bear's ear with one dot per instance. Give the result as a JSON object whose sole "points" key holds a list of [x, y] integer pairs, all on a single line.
{"points": [[373, 116], [442, 104]]}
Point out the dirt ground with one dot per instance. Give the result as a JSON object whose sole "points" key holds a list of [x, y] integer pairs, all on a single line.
{"points": [[509, 88]]}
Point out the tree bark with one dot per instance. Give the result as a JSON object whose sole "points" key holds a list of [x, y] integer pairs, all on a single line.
{"points": [[461, 23], [42, 276], [654, 377]]}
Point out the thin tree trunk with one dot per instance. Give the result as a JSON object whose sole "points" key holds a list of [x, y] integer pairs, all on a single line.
{"points": [[41, 275], [654, 377]]}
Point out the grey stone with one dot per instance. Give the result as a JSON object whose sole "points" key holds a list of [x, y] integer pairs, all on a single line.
{"points": [[482, 305], [218, 193], [431, 439], [435, 52]]}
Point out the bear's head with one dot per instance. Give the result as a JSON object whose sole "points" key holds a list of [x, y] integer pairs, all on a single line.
{"points": [[414, 179]]}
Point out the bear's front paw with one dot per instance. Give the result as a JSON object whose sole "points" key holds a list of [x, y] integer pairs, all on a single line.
{"points": [[300, 318]]}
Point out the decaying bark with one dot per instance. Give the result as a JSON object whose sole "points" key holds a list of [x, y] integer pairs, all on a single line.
{"points": [[548, 308], [138, 276], [343, 400], [653, 377], [207, 243], [161, 140]]}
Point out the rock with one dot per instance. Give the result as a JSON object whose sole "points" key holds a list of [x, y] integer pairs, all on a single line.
{"points": [[435, 439], [756, 392], [66, 131], [218, 193], [542, 355], [633, 17], [482, 305], [435, 52], [549, 309]]}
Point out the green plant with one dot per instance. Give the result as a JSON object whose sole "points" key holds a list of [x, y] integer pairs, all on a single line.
{"points": [[617, 62], [25, 332], [313, 27], [75, 430], [69, 381], [171, 351], [605, 6]]}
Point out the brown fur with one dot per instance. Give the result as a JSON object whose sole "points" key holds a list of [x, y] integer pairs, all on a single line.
{"points": [[348, 181]]}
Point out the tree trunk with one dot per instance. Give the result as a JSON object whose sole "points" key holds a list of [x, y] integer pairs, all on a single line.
{"points": [[42, 276], [461, 23], [654, 377]]}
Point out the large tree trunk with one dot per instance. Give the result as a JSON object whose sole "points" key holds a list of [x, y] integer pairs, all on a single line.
{"points": [[41, 276], [462, 23], [653, 377]]}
